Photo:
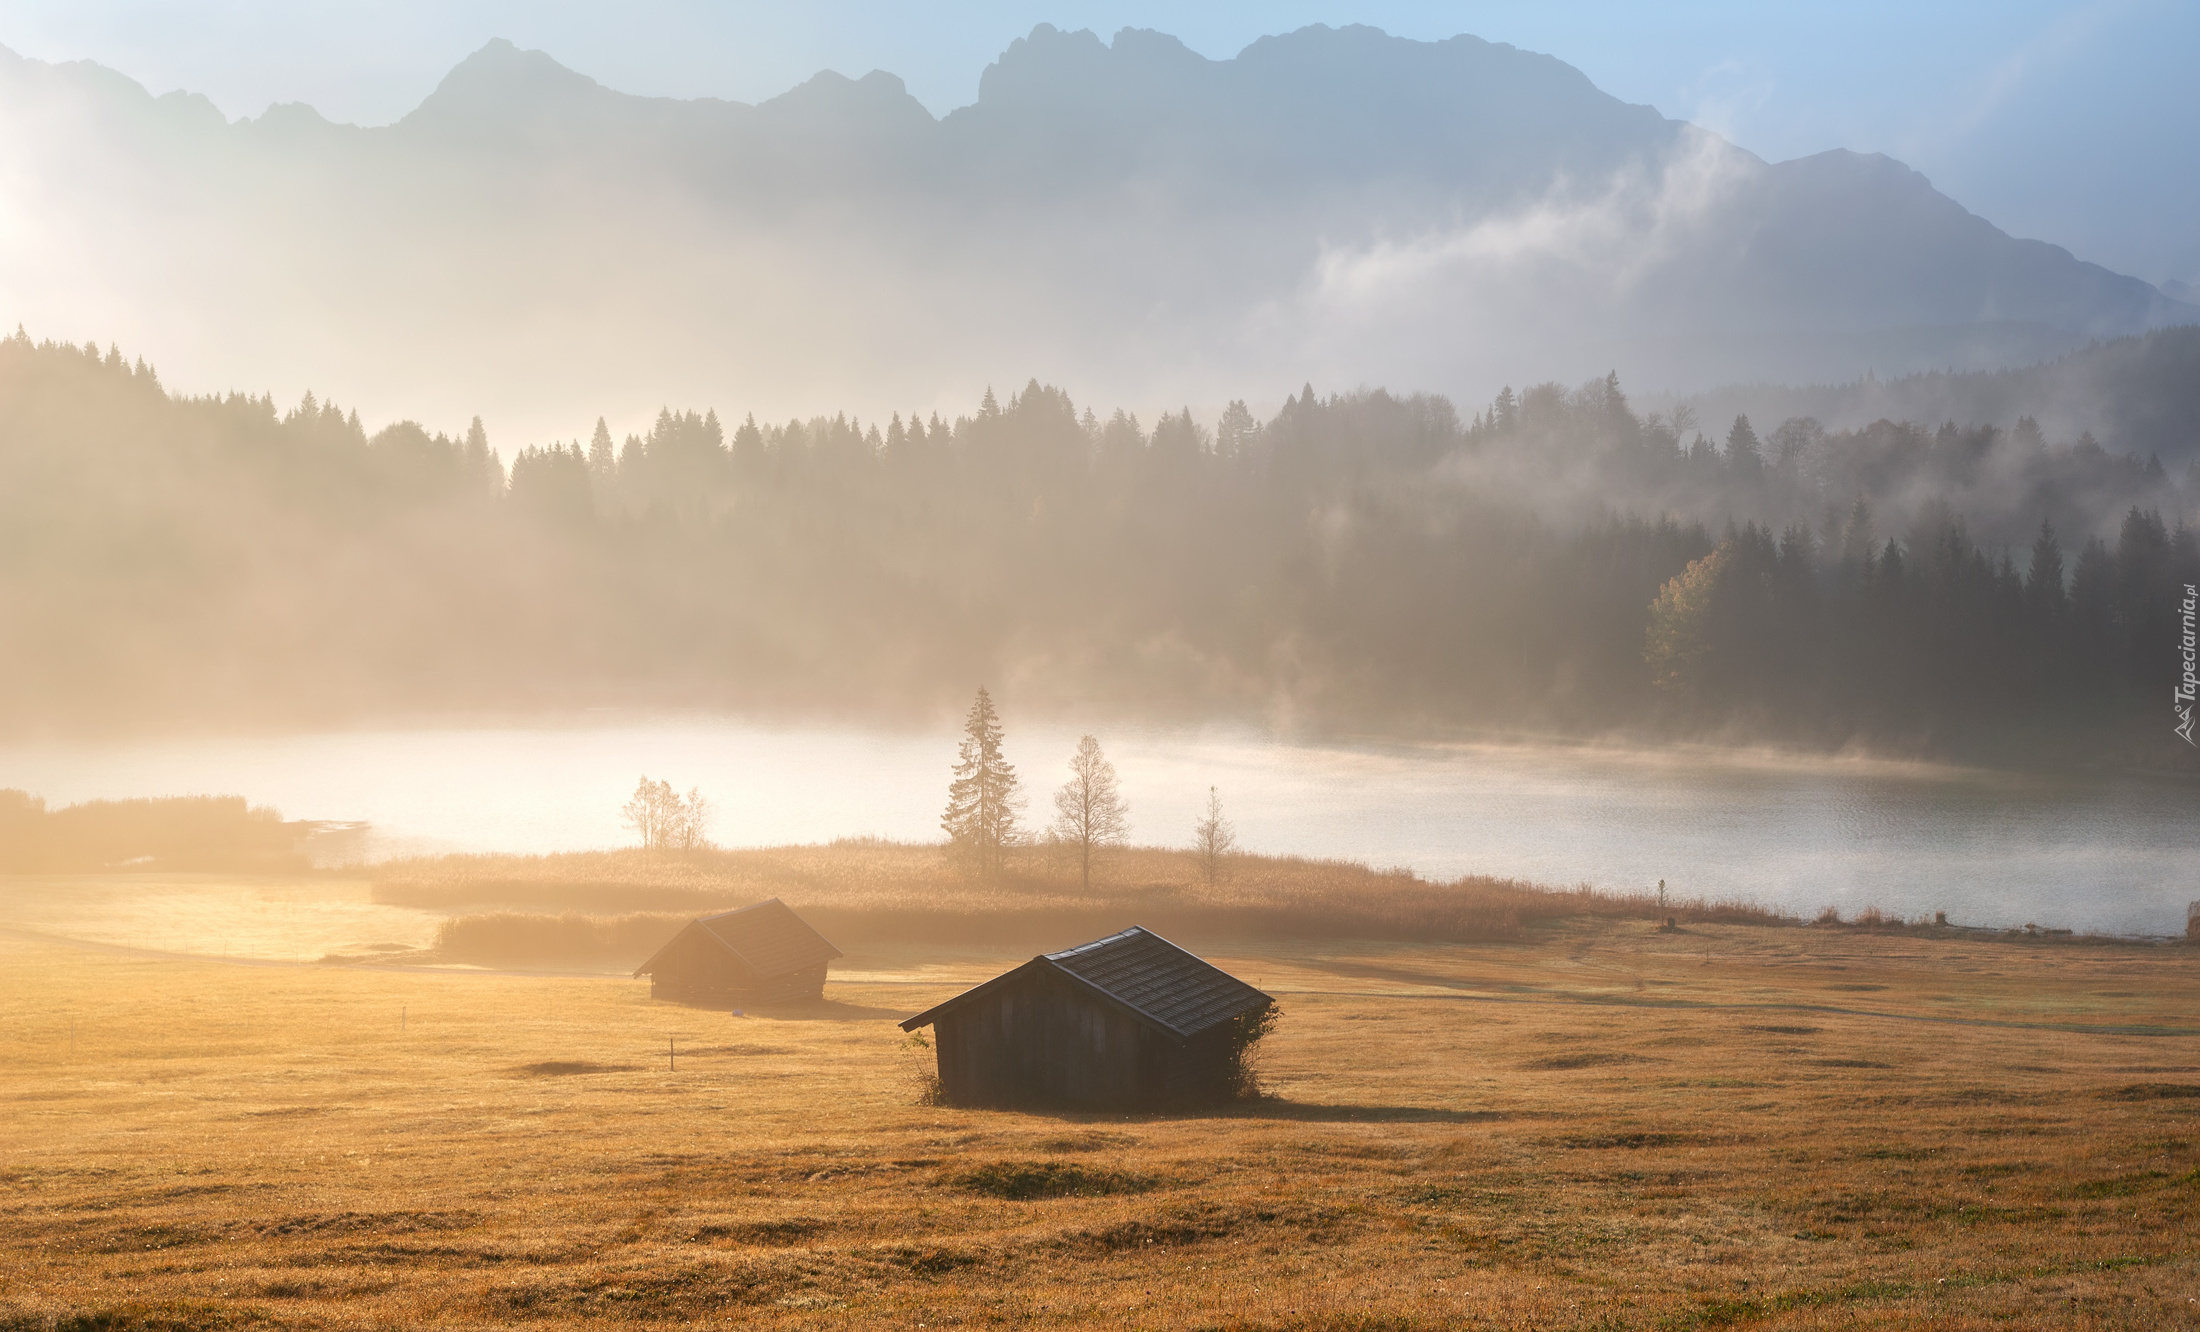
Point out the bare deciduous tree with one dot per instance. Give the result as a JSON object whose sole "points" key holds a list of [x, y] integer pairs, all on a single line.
{"points": [[1089, 811], [1213, 839], [664, 820], [692, 831]]}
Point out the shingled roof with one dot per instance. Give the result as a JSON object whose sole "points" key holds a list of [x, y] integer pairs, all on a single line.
{"points": [[769, 937], [1144, 973]]}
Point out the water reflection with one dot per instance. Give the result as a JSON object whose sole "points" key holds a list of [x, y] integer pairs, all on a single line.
{"points": [[2115, 854]]}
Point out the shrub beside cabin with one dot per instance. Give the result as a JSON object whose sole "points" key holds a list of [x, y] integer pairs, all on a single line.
{"points": [[1127, 1022], [761, 954]]}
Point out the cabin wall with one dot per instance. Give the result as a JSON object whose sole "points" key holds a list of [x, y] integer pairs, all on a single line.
{"points": [[790, 987], [1202, 1071], [1044, 1041], [696, 969]]}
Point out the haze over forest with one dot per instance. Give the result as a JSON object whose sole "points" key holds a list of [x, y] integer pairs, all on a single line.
{"points": [[1555, 561], [1470, 382]]}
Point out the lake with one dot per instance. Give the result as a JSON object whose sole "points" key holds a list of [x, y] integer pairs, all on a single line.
{"points": [[2112, 854]]}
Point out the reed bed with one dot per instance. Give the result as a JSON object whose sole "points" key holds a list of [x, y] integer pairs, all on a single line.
{"points": [[614, 907]]}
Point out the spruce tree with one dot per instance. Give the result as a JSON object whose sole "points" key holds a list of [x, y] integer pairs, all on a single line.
{"points": [[982, 801], [2044, 583], [603, 464], [1505, 412], [487, 470], [1743, 454], [1235, 432]]}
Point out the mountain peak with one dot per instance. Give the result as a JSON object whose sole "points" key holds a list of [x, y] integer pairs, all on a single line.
{"points": [[1144, 46], [831, 98], [1369, 206], [501, 84]]}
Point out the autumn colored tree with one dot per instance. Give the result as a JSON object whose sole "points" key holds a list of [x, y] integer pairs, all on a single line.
{"points": [[1677, 641]]}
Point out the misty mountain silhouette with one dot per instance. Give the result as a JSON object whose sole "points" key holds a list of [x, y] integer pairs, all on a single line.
{"points": [[1127, 216]]}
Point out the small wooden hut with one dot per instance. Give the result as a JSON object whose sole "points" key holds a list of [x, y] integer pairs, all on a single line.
{"points": [[1127, 1022], [759, 954]]}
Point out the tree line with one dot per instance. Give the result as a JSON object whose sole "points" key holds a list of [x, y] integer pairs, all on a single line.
{"points": [[1367, 560], [176, 833]]}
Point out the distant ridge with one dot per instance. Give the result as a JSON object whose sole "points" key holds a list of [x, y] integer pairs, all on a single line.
{"points": [[2137, 395], [1335, 205]]}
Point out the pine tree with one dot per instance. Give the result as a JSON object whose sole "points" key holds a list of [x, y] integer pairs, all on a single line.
{"points": [[1619, 421], [1089, 811], [1856, 536], [2044, 584], [982, 800], [485, 466], [602, 463], [1505, 412], [1235, 432], [748, 448], [1743, 454]]}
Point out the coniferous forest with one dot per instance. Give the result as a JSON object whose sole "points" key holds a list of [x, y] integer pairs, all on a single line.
{"points": [[1552, 562]]}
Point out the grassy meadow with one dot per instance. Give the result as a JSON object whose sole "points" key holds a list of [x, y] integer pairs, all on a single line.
{"points": [[1593, 1124]]}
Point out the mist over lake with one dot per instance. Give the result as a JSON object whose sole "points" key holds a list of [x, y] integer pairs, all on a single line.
{"points": [[2114, 854]]}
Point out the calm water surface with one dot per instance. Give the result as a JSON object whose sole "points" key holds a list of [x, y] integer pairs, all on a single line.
{"points": [[2118, 854]]}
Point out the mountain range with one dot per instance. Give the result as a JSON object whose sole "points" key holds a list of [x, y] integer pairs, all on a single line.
{"points": [[1129, 219]]}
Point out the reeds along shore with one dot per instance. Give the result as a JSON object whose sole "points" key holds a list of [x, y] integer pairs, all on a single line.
{"points": [[612, 907]]}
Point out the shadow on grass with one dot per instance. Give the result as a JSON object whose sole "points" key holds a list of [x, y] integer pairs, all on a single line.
{"points": [[824, 1010], [1318, 1112], [1409, 976], [562, 1068], [1302, 1112]]}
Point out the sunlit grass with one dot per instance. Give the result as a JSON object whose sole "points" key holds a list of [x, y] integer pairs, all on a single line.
{"points": [[291, 916], [1598, 1124]]}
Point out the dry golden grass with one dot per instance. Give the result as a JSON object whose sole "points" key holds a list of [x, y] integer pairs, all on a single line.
{"points": [[569, 940], [1602, 1126]]}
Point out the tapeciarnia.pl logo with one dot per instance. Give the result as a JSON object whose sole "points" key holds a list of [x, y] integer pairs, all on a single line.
{"points": [[2189, 650]]}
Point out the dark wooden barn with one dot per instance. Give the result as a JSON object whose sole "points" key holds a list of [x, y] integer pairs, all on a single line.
{"points": [[758, 955], [1130, 1021]]}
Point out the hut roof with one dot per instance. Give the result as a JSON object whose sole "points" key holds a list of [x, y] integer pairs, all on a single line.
{"points": [[768, 937], [1143, 972]]}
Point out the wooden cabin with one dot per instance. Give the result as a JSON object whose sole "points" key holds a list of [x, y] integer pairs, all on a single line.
{"points": [[1127, 1022], [762, 954]]}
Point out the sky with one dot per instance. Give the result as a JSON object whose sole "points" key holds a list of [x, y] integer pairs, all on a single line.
{"points": [[2077, 123]]}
